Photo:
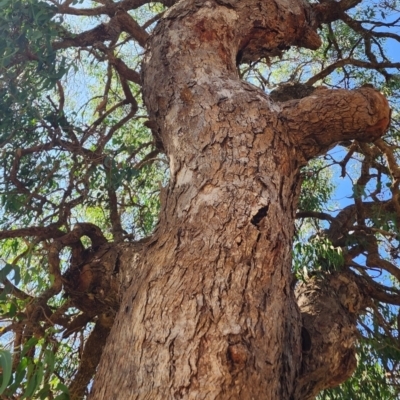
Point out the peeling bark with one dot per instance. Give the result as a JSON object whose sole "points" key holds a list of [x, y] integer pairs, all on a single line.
{"points": [[210, 313]]}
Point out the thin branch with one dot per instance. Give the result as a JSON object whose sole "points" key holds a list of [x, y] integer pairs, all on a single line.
{"points": [[350, 61], [315, 214], [41, 232]]}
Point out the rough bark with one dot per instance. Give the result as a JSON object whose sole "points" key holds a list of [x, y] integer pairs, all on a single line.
{"points": [[210, 312], [329, 306]]}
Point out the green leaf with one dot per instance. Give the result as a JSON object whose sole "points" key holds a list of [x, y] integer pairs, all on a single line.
{"points": [[19, 375], [31, 387], [29, 344], [65, 392], [4, 3], [6, 366], [49, 360], [5, 271], [6, 291]]}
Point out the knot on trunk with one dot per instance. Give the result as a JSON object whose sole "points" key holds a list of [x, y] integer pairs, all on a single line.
{"points": [[237, 354], [93, 285], [329, 306]]}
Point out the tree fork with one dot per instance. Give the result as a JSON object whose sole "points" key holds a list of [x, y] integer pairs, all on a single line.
{"points": [[210, 312]]}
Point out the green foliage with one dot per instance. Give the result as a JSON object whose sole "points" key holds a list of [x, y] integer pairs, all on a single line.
{"points": [[28, 28], [317, 186], [33, 377], [28, 63], [315, 256], [62, 163], [370, 380]]}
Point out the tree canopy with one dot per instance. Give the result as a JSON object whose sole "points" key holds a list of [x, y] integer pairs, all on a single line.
{"points": [[81, 166]]}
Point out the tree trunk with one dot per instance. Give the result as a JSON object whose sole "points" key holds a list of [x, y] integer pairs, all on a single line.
{"points": [[210, 312]]}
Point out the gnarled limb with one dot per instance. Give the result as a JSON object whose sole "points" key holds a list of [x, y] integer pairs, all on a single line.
{"points": [[90, 358], [329, 307], [319, 121]]}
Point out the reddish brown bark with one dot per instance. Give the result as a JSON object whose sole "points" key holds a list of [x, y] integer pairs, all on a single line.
{"points": [[329, 306], [210, 312]]}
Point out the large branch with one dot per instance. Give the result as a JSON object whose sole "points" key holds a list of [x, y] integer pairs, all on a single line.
{"points": [[378, 291], [41, 232], [331, 10], [122, 21], [90, 358], [338, 233], [319, 121], [92, 231], [109, 9]]}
